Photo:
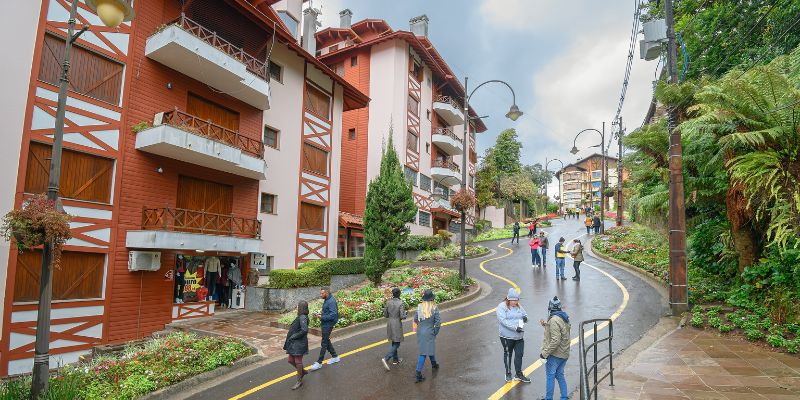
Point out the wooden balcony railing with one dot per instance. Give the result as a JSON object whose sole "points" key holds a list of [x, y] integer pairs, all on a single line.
{"points": [[447, 131], [254, 65], [192, 221], [208, 129], [447, 100], [449, 164]]}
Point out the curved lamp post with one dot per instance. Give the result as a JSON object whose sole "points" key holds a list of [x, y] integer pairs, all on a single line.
{"points": [[547, 176], [513, 114], [602, 171], [111, 13]]}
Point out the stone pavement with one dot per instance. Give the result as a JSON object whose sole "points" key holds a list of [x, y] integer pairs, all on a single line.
{"points": [[695, 364], [252, 327]]}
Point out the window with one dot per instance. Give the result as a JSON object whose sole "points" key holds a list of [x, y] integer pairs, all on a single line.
{"points": [[441, 189], [268, 203], [83, 176], [356, 246], [290, 22], [425, 182], [317, 101], [596, 174], [92, 74], [333, 48], [412, 141], [315, 160], [413, 105], [271, 136], [312, 217], [351, 133], [80, 276], [210, 111], [424, 218], [411, 175], [417, 71], [339, 69], [353, 61], [275, 71]]}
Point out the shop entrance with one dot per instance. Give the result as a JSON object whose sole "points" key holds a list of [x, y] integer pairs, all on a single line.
{"points": [[213, 279]]}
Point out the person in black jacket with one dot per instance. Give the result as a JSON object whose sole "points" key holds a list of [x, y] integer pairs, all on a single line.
{"points": [[296, 344]]}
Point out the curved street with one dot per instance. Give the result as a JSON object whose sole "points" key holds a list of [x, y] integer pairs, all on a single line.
{"points": [[468, 347]]}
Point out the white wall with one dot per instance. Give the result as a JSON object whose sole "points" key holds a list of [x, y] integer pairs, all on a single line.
{"points": [[19, 41], [388, 101], [496, 216], [336, 164]]}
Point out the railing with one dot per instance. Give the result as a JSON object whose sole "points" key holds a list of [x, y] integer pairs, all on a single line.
{"points": [[192, 221], [447, 100], [448, 131], [586, 390], [449, 164], [208, 129], [254, 65]]}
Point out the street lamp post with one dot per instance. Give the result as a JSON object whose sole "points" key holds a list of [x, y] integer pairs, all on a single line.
{"points": [[111, 13], [512, 114], [547, 177], [602, 172]]}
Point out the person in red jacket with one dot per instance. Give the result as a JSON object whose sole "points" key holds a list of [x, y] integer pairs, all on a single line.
{"points": [[535, 243]]}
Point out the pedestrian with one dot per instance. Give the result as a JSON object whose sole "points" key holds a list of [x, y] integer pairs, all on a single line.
{"points": [[296, 344], [329, 316], [577, 258], [515, 229], [512, 318], [544, 244], [531, 229], [535, 243], [588, 222], [555, 348], [395, 312], [428, 324], [561, 254], [596, 224]]}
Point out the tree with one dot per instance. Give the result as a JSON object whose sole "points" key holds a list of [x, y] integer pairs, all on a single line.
{"points": [[389, 207], [517, 187], [486, 181], [506, 153]]}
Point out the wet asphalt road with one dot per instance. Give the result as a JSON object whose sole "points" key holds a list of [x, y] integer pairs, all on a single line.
{"points": [[469, 351]]}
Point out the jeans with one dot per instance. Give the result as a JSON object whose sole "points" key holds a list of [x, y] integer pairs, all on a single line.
{"points": [[515, 348], [554, 370], [516, 236], [326, 344], [421, 361], [588, 230], [560, 267], [544, 255], [211, 283], [597, 229], [535, 257], [392, 354], [577, 266]]}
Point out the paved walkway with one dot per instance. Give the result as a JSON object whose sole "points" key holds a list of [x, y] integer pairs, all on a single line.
{"points": [[694, 364]]}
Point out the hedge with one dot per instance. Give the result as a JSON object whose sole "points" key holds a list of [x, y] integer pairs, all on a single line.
{"points": [[419, 242], [297, 278], [337, 266]]}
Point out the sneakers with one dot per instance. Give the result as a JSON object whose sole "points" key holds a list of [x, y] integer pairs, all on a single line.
{"points": [[385, 364], [508, 377], [315, 366], [522, 378], [418, 377], [334, 360], [398, 361], [563, 278], [297, 385], [533, 265]]}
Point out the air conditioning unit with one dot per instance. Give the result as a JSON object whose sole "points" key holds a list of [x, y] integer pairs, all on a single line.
{"points": [[144, 261]]}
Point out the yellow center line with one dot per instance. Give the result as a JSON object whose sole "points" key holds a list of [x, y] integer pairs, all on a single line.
{"points": [[378, 343]]}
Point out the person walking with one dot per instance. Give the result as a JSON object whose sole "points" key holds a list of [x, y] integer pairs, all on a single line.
{"points": [[329, 316], [561, 254], [577, 258], [428, 323], [545, 243], [596, 224], [535, 243], [395, 312], [515, 229], [555, 348], [531, 229], [511, 318], [296, 344], [588, 222]]}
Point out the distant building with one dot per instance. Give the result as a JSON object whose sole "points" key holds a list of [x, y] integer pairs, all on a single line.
{"points": [[580, 182]]}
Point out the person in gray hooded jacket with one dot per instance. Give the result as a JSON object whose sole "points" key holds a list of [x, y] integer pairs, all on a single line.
{"points": [[511, 318]]}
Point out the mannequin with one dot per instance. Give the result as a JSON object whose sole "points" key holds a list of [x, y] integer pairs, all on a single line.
{"points": [[235, 276], [212, 266], [180, 270]]}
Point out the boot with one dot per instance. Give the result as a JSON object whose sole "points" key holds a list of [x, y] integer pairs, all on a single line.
{"points": [[300, 374], [419, 378]]}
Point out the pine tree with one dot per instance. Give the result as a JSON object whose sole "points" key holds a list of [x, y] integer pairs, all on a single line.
{"points": [[389, 208]]}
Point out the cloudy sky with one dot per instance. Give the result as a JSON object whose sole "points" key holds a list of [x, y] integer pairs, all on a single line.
{"points": [[564, 58]]}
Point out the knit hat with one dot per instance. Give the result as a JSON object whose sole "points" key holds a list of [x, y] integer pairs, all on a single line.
{"points": [[512, 295], [396, 292], [554, 304], [427, 295]]}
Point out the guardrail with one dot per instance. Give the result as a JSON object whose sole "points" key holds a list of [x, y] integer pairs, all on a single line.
{"points": [[193, 221], [586, 390], [208, 129]]}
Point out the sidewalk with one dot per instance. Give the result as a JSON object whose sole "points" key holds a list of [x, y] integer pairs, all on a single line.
{"points": [[694, 364]]}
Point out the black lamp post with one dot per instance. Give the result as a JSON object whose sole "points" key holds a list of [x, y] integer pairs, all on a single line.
{"points": [[512, 114], [547, 177], [112, 13], [602, 171]]}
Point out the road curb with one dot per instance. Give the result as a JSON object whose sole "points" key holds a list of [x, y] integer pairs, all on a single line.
{"points": [[652, 280]]}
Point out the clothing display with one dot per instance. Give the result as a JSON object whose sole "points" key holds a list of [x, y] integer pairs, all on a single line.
{"points": [[220, 277]]}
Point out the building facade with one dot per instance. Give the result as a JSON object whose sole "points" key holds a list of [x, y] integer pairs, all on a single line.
{"points": [[580, 183], [416, 99]]}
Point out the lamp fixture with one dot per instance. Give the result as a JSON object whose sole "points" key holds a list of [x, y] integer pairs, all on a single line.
{"points": [[574, 150], [112, 12], [513, 113]]}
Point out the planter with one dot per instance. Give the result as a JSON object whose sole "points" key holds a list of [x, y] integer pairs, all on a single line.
{"points": [[408, 254]]}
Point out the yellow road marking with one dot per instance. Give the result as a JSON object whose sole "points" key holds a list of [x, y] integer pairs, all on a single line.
{"points": [[375, 344]]}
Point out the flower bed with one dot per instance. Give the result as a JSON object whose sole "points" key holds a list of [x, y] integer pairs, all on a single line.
{"points": [[495, 234], [452, 251], [636, 245], [366, 303], [753, 326], [138, 370]]}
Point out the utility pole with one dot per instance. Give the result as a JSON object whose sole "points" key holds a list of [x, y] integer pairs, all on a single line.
{"points": [[678, 293], [620, 208]]}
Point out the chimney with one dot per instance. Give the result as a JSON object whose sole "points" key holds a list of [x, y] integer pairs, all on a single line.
{"points": [[310, 23], [419, 25], [345, 18]]}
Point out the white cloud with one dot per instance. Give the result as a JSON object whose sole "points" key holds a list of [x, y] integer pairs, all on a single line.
{"points": [[330, 12], [536, 15]]}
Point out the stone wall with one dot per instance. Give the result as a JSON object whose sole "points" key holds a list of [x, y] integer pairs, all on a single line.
{"points": [[272, 299]]}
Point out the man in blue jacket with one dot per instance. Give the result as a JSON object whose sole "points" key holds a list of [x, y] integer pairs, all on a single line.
{"points": [[329, 316]]}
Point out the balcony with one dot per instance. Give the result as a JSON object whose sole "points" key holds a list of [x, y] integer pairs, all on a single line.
{"points": [[185, 137], [443, 207], [445, 172], [447, 140], [448, 109], [195, 51], [191, 230]]}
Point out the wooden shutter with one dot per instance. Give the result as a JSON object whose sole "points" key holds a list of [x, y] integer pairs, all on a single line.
{"points": [[90, 73], [315, 160], [80, 276], [201, 195], [210, 111], [83, 176], [312, 217], [318, 102]]}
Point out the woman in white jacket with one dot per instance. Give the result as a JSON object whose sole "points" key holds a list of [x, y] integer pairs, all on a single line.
{"points": [[511, 318]]}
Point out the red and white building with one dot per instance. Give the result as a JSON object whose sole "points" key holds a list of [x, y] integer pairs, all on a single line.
{"points": [[416, 98]]}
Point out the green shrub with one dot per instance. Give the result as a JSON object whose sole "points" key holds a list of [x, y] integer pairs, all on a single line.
{"points": [[452, 251], [297, 278], [337, 266], [495, 234], [714, 321], [419, 242], [725, 328], [482, 225], [753, 334], [793, 346], [697, 319], [776, 341]]}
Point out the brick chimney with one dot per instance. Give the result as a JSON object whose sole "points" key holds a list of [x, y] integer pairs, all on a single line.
{"points": [[419, 25], [310, 24], [345, 18]]}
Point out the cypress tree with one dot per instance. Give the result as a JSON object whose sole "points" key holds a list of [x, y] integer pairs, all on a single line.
{"points": [[389, 208]]}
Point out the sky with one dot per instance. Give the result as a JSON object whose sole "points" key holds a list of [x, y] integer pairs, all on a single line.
{"points": [[565, 60]]}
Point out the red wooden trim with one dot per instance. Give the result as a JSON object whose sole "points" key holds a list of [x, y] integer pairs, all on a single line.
{"points": [[59, 305]]}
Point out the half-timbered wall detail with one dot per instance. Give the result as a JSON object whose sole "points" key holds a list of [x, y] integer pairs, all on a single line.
{"points": [[413, 130]]}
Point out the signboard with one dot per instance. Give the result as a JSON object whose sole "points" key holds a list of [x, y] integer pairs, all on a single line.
{"points": [[258, 261]]}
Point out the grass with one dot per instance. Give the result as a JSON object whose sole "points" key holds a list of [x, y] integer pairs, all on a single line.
{"points": [[451, 252]]}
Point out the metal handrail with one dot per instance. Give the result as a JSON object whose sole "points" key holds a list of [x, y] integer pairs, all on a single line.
{"points": [[197, 221], [446, 163], [586, 390], [447, 100], [447, 131], [196, 125]]}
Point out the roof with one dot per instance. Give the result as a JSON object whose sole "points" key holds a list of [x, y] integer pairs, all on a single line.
{"points": [[264, 14], [348, 220], [581, 161]]}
